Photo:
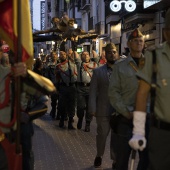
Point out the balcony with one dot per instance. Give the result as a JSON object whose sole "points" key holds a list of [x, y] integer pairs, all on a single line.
{"points": [[100, 27], [112, 19], [138, 18], [85, 4]]}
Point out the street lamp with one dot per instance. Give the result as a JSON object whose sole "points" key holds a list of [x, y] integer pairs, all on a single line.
{"points": [[75, 25], [67, 1]]}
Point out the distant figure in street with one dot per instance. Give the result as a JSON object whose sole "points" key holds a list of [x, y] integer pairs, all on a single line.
{"points": [[66, 73], [102, 59], [38, 66], [85, 71]]}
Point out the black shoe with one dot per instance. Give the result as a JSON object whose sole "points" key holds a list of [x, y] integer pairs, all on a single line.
{"points": [[66, 118], [87, 128], [97, 162], [71, 127], [79, 124], [52, 114], [61, 124], [57, 118], [113, 166]]}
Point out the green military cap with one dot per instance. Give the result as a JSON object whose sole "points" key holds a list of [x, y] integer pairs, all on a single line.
{"points": [[167, 19], [110, 46], [135, 34]]}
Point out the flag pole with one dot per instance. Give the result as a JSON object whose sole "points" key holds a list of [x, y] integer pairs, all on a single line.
{"points": [[18, 58]]}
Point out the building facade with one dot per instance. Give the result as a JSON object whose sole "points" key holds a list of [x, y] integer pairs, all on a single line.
{"points": [[111, 26]]}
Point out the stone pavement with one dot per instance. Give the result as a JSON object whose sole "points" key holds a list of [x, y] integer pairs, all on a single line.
{"points": [[62, 149]]}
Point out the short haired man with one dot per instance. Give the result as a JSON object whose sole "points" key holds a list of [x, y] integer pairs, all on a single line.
{"points": [[99, 105], [66, 82], [122, 92], [85, 69], [159, 138]]}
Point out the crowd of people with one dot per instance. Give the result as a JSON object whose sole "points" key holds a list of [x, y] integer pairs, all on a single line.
{"points": [[112, 88], [101, 87]]}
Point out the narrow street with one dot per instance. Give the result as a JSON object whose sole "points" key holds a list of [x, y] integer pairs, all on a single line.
{"points": [[63, 149]]}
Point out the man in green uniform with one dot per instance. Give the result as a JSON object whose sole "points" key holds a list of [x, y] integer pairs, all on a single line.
{"points": [[159, 138], [122, 93], [66, 73]]}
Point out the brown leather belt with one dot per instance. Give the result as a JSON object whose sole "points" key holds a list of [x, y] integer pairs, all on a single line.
{"points": [[161, 124]]}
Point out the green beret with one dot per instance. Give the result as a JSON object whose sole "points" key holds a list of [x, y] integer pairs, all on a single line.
{"points": [[135, 34], [110, 46]]}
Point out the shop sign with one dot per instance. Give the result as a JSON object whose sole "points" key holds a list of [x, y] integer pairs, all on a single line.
{"points": [[116, 5], [42, 15]]}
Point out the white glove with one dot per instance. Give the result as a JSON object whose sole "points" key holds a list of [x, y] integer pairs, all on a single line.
{"points": [[138, 141]]}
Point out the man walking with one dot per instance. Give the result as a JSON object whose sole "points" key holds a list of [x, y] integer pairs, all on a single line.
{"points": [[159, 138], [122, 92], [99, 105]]}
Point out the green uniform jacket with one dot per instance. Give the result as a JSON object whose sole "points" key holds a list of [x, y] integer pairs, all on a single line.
{"points": [[162, 100], [123, 87]]}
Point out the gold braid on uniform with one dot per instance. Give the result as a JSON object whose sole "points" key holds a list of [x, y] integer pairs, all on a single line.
{"points": [[131, 63]]}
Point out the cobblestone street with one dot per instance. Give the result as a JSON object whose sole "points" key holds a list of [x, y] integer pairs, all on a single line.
{"points": [[63, 149]]}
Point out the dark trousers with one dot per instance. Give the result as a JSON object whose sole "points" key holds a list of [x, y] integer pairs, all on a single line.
{"points": [[54, 98], [3, 159], [122, 148], [26, 143], [159, 149], [82, 103], [67, 101]]}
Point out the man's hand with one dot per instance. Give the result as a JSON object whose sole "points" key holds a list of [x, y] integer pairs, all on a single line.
{"points": [[138, 142], [19, 69]]}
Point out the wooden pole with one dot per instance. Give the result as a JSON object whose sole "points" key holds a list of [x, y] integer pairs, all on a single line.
{"points": [[17, 79]]}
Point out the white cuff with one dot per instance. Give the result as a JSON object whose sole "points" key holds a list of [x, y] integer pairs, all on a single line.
{"points": [[139, 119]]}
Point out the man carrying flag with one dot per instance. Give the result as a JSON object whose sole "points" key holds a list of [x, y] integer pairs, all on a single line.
{"points": [[15, 29]]}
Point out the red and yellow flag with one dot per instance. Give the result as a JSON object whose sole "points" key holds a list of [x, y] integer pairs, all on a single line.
{"points": [[9, 30]]}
